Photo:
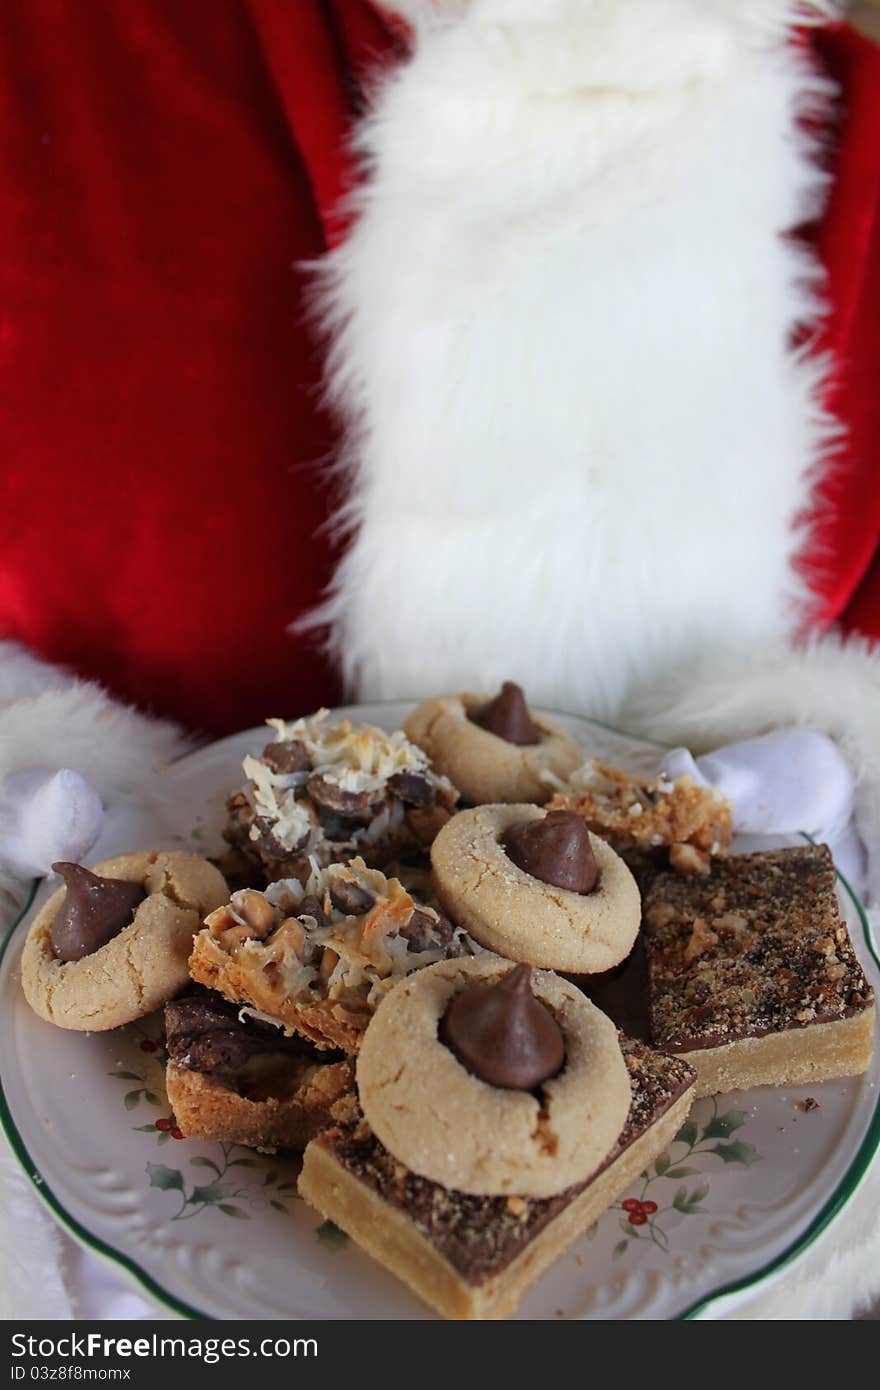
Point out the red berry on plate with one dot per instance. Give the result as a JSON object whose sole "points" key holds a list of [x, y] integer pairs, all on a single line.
{"points": [[164, 1125], [637, 1218]]}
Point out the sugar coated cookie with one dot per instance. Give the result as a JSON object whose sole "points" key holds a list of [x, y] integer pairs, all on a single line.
{"points": [[493, 749], [520, 916], [144, 961], [447, 1124]]}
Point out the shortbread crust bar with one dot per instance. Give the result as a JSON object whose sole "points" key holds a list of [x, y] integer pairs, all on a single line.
{"points": [[752, 974], [474, 1257], [208, 1108]]}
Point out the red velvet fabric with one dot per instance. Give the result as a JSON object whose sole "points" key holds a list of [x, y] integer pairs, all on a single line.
{"points": [[167, 165], [846, 543]]}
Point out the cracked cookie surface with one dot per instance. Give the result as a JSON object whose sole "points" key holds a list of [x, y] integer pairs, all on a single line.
{"points": [[144, 964], [482, 766], [509, 911], [445, 1124]]}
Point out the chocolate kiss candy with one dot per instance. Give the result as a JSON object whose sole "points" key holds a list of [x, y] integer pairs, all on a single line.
{"points": [[93, 911], [508, 717], [503, 1035], [556, 850]]}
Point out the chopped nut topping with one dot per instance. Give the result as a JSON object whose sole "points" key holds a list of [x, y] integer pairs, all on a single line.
{"points": [[628, 811], [777, 956], [700, 940], [687, 859]]}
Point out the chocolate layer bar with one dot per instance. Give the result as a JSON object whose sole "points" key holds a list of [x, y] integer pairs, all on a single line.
{"points": [[752, 974], [474, 1257], [245, 1082]]}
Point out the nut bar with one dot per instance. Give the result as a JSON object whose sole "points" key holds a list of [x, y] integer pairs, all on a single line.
{"points": [[317, 958], [635, 815], [243, 1082], [325, 791], [752, 974], [474, 1257]]}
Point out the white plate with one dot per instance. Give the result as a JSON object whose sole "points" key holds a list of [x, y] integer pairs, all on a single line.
{"points": [[218, 1230]]}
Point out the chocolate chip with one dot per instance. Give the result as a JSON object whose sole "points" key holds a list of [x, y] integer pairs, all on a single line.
{"points": [[349, 897], [412, 788], [271, 848], [331, 797], [507, 716], [556, 849], [286, 757], [312, 907], [92, 912], [502, 1034]]}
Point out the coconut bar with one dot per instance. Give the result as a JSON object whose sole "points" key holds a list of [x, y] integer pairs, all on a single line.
{"points": [[649, 820], [316, 958], [324, 791]]}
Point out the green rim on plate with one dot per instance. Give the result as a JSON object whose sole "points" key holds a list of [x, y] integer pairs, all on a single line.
{"points": [[843, 1193]]}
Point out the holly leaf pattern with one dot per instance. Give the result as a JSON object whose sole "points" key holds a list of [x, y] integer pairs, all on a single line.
{"points": [[166, 1178], [331, 1236], [722, 1126], [211, 1192], [737, 1152]]}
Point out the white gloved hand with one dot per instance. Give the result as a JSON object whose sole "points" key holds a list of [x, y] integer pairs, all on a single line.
{"points": [[46, 816]]}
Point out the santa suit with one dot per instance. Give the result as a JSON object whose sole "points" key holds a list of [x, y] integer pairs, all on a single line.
{"points": [[169, 168]]}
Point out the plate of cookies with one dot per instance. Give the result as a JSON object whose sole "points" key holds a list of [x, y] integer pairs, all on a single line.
{"points": [[464, 1009]]}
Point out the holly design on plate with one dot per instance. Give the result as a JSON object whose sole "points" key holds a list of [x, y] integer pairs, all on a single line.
{"points": [[150, 1079], [641, 1218], [225, 1190], [238, 1179]]}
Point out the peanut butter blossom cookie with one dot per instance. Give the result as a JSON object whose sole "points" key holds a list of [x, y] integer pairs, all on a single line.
{"points": [[489, 1078], [493, 749], [536, 886], [113, 944]]}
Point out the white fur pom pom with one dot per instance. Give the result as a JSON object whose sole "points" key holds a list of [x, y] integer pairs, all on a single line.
{"points": [[46, 816]]}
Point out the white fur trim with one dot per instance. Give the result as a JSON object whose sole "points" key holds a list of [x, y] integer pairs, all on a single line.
{"points": [[51, 722], [23, 675], [578, 439]]}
